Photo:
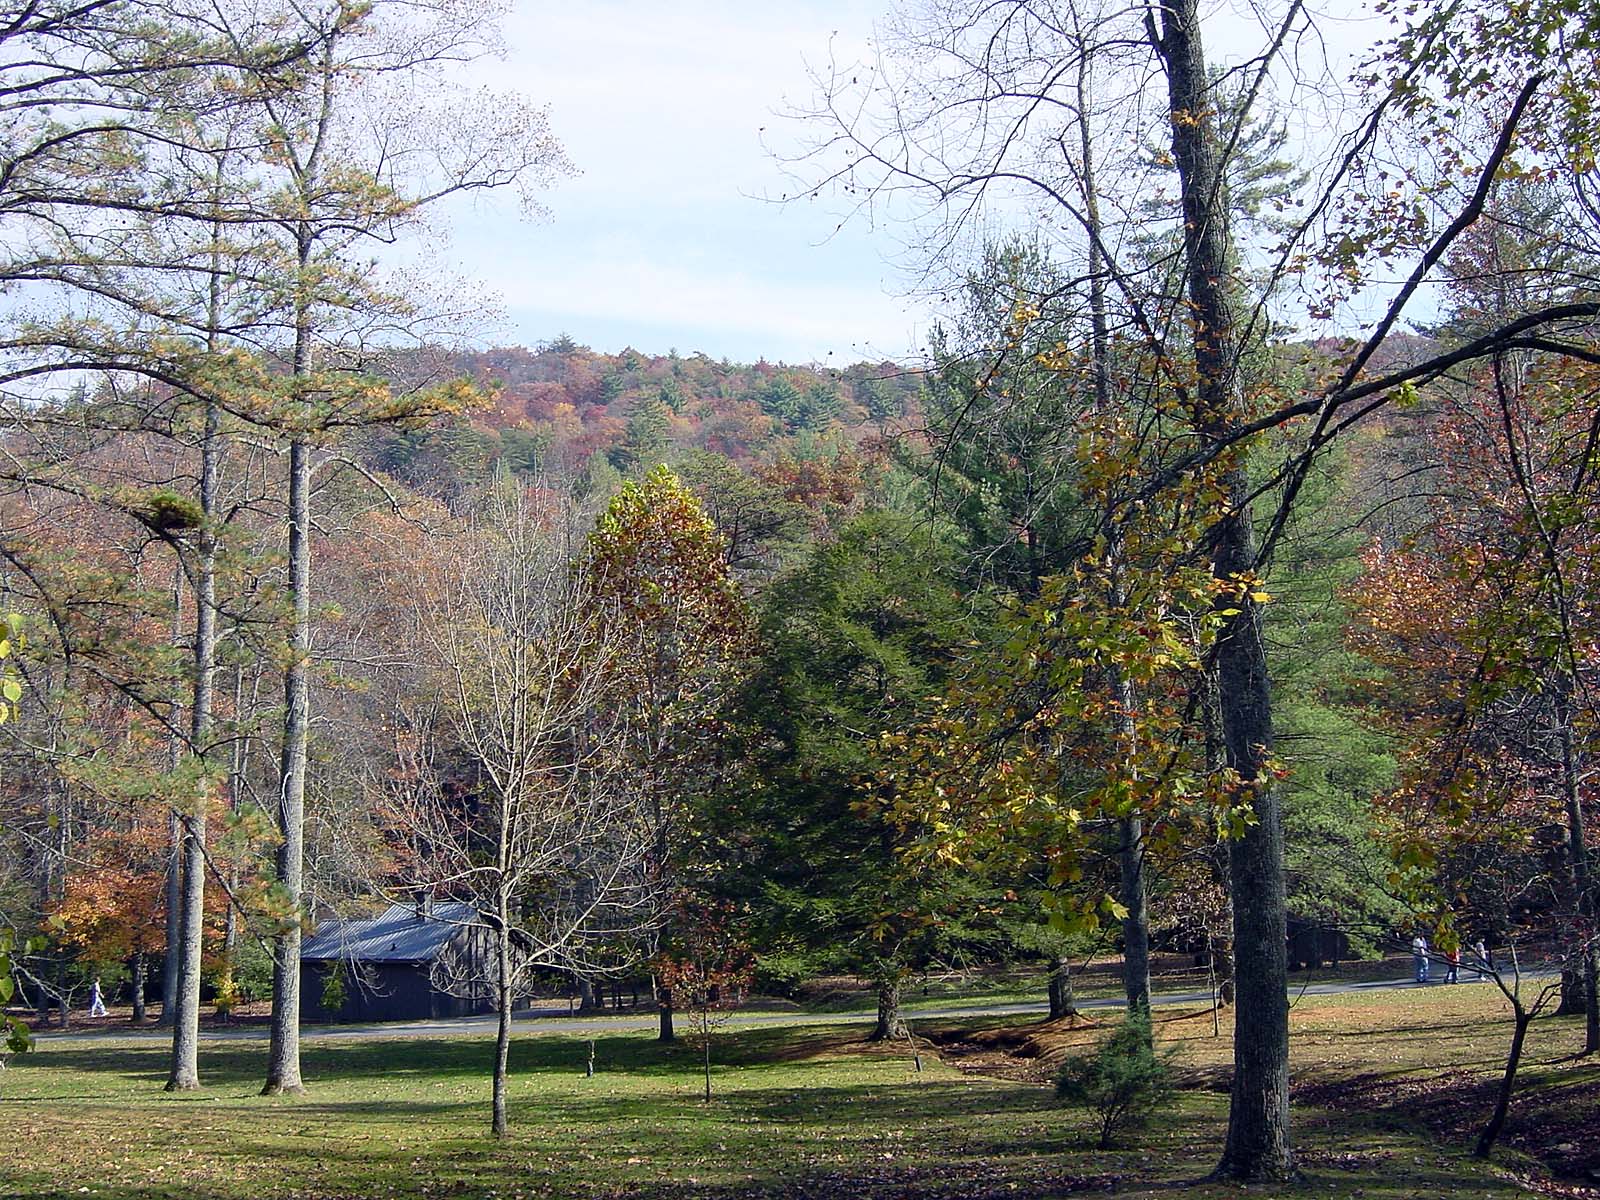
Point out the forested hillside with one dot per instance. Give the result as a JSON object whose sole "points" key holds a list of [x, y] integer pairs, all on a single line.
{"points": [[567, 411]]}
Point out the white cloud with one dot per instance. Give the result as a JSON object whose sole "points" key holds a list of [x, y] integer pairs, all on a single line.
{"points": [[661, 107], [764, 314]]}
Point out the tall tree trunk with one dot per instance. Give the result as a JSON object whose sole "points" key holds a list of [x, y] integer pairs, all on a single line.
{"points": [[1571, 993], [503, 1001], [1130, 856], [1582, 884], [136, 985], [585, 993], [1258, 1117], [1100, 334], [185, 1071], [171, 961], [1508, 1080], [1221, 938], [1130, 835], [891, 1025], [236, 768], [283, 1053], [173, 893], [1591, 999], [1136, 925]]}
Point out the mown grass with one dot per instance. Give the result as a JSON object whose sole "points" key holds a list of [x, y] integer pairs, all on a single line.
{"points": [[798, 1112]]}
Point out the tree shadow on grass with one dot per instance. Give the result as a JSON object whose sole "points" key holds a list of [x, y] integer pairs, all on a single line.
{"points": [[894, 1135], [231, 1066], [1405, 1030]]}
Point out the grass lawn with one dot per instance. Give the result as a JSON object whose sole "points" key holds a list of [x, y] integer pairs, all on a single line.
{"points": [[799, 1112]]}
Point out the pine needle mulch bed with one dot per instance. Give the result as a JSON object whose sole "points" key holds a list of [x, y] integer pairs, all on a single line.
{"points": [[798, 1113]]}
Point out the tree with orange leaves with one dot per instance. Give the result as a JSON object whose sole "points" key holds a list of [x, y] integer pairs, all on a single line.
{"points": [[661, 581], [1486, 627]]}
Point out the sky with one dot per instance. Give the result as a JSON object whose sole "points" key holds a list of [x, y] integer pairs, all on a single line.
{"points": [[669, 238]]}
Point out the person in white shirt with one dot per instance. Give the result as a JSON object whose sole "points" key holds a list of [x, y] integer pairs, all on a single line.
{"points": [[1419, 957]]}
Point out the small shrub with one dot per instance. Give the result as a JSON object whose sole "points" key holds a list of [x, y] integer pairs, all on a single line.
{"points": [[783, 974], [227, 995], [334, 992], [252, 970], [1122, 1082]]}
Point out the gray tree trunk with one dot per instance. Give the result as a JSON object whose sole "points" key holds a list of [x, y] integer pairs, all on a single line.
{"points": [[891, 1025], [1257, 1145], [1130, 843], [1099, 327], [502, 1036], [1062, 1004], [172, 956], [1136, 925], [185, 1071], [137, 987], [174, 902], [283, 1052], [1585, 999], [664, 1010], [1130, 856]]}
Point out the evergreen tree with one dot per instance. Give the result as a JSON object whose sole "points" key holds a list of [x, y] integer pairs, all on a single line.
{"points": [[857, 636]]}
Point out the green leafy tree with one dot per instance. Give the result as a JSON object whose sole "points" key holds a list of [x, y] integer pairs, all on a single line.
{"points": [[644, 441], [1003, 423], [857, 636], [755, 518], [784, 402], [1336, 760]]}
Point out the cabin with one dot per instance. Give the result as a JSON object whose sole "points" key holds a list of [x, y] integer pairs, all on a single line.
{"points": [[411, 963], [1312, 943]]}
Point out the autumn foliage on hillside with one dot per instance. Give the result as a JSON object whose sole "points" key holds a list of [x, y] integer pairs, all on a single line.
{"points": [[569, 411]]}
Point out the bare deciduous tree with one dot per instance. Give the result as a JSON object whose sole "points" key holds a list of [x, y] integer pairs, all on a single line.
{"points": [[552, 842]]}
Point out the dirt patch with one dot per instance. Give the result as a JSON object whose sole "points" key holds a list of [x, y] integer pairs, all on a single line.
{"points": [[1024, 1053]]}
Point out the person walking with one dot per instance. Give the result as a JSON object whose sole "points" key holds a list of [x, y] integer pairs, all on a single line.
{"points": [[1419, 958], [1452, 964], [97, 1004], [1480, 959]]}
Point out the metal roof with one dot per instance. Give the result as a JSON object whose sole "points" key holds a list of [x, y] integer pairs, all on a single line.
{"points": [[399, 935]]}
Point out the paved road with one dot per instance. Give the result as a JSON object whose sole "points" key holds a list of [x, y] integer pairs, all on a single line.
{"points": [[556, 1020]]}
